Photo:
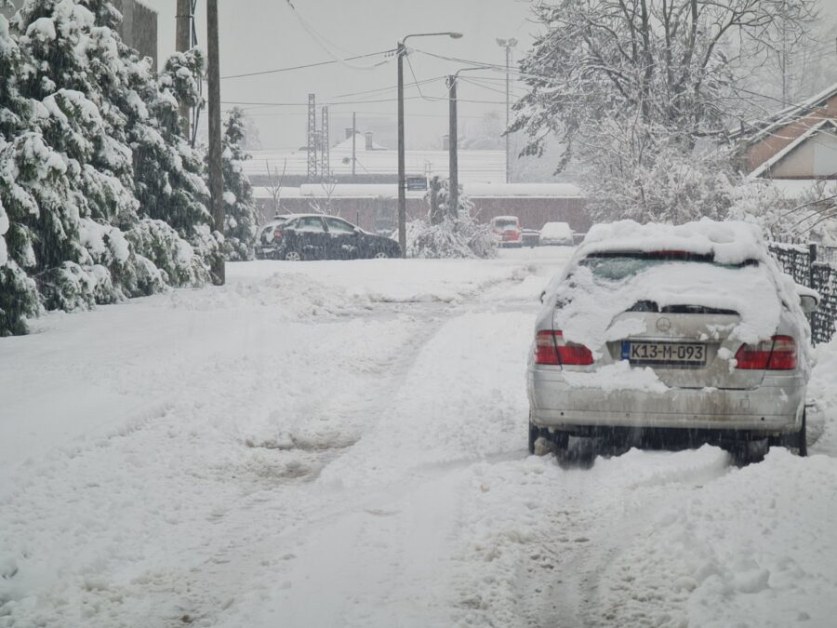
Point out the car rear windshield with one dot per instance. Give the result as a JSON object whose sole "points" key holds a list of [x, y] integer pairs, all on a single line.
{"points": [[618, 265], [505, 223]]}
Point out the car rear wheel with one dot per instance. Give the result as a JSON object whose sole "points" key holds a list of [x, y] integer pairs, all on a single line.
{"points": [[293, 256], [380, 255], [798, 440]]}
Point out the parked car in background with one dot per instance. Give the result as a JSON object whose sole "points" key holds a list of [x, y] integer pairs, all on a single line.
{"points": [[556, 233], [266, 242], [317, 236], [530, 237], [506, 230], [670, 336]]}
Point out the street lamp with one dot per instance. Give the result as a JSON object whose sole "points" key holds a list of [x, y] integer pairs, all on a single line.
{"points": [[508, 44], [453, 133], [402, 182]]}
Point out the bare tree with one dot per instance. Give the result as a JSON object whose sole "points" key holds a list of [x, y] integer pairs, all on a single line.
{"points": [[274, 185], [631, 86]]}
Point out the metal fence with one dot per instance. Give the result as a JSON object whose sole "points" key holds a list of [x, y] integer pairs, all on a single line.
{"points": [[813, 266]]}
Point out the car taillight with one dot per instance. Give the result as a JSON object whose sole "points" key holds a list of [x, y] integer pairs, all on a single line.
{"points": [[776, 354], [551, 348]]}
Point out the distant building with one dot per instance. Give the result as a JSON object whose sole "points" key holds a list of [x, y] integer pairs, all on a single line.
{"points": [[138, 29]]}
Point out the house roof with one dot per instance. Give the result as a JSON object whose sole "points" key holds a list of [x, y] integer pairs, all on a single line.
{"points": [[787, 150], [756, 130], [483, 166], [390, 191]]}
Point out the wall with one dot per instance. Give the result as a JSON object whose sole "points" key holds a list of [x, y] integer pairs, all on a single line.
{"points": [[139, 28], [381, 214]]}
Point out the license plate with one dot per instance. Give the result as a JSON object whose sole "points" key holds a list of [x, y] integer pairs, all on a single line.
{"points": [[679, 353]]}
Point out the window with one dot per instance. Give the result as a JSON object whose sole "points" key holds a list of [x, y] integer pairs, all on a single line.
{"points": [[310, 224], [339, 227]]}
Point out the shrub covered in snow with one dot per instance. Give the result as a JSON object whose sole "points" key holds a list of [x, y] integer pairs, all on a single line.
{"points": [[446, 234]]}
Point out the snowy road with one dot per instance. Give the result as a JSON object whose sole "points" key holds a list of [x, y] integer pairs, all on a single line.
{"points": [[344, 444]]}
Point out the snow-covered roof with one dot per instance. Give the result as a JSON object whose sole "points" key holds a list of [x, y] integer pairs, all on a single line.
{"points": [[390, 190], [536, 190], [757, 129], [360, 144], [767, 165], [475, 166]]}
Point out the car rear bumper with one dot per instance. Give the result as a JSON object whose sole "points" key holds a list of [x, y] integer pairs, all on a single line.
{"points": [[773, 408]]}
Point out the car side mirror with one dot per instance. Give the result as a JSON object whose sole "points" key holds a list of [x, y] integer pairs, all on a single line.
{"points": [[543, 295], [809, 303]]}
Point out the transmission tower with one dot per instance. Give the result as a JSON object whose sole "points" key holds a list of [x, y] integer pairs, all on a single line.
{"points": [[324, 166], [312, 138]]}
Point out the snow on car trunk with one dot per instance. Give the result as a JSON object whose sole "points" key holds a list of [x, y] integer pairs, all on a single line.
{"points": [[709, 310]]}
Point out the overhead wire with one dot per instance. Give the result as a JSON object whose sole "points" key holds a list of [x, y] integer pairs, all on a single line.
{"points": [[307, 65], [325, 44]]}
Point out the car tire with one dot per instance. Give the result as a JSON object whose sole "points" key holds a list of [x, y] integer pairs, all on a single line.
{"points": [[380, 255], [292, 256], [802, 437]]}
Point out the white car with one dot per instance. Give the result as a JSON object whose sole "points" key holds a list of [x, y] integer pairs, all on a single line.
{"points": [[556, 233], [670, 336]]}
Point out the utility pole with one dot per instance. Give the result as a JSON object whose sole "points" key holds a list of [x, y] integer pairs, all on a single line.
{"points": [[453, 157], [402, 176], [216, 177], [354, 138], [508, 44], [183, 42]]}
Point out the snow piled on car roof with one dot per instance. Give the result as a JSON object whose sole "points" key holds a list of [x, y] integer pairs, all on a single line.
{"points": [[730, 242]]}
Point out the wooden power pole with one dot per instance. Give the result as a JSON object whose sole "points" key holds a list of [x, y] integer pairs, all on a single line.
{"points": [[183, 42], [216, 181]]}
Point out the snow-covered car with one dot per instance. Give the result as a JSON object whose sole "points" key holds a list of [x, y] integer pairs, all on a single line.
{"points": [[506, 230], [556, 233], [670, 336], [530, 237], [266, 242], [318, 236]]}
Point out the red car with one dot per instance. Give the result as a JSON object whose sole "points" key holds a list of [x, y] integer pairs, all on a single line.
{"points": [[507, 231]]}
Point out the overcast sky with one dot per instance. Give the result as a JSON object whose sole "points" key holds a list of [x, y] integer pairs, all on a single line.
{"points": [[262, 35], [258, 35]]}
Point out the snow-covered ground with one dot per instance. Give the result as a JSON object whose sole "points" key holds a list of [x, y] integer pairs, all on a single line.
{"points": [[344, 444]]}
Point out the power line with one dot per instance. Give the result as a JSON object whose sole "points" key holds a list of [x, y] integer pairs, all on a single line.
{"points": [[308, 65]]}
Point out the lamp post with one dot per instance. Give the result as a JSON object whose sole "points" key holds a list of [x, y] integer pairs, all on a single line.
{"points": [[402, 177], [508, 44], [453, 133]]}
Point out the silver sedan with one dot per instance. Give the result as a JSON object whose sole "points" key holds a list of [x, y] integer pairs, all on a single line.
{"points": [[671, 337]]}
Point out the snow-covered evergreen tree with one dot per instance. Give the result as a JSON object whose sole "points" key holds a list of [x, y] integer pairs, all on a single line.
{"points": [[18, 294], [241, 220], [101, 197]]}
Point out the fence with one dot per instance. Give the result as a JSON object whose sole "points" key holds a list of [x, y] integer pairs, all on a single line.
{"points": [[805, 265]]}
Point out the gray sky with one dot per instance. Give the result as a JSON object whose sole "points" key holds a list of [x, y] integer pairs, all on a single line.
{"points": [[259, 35]]}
